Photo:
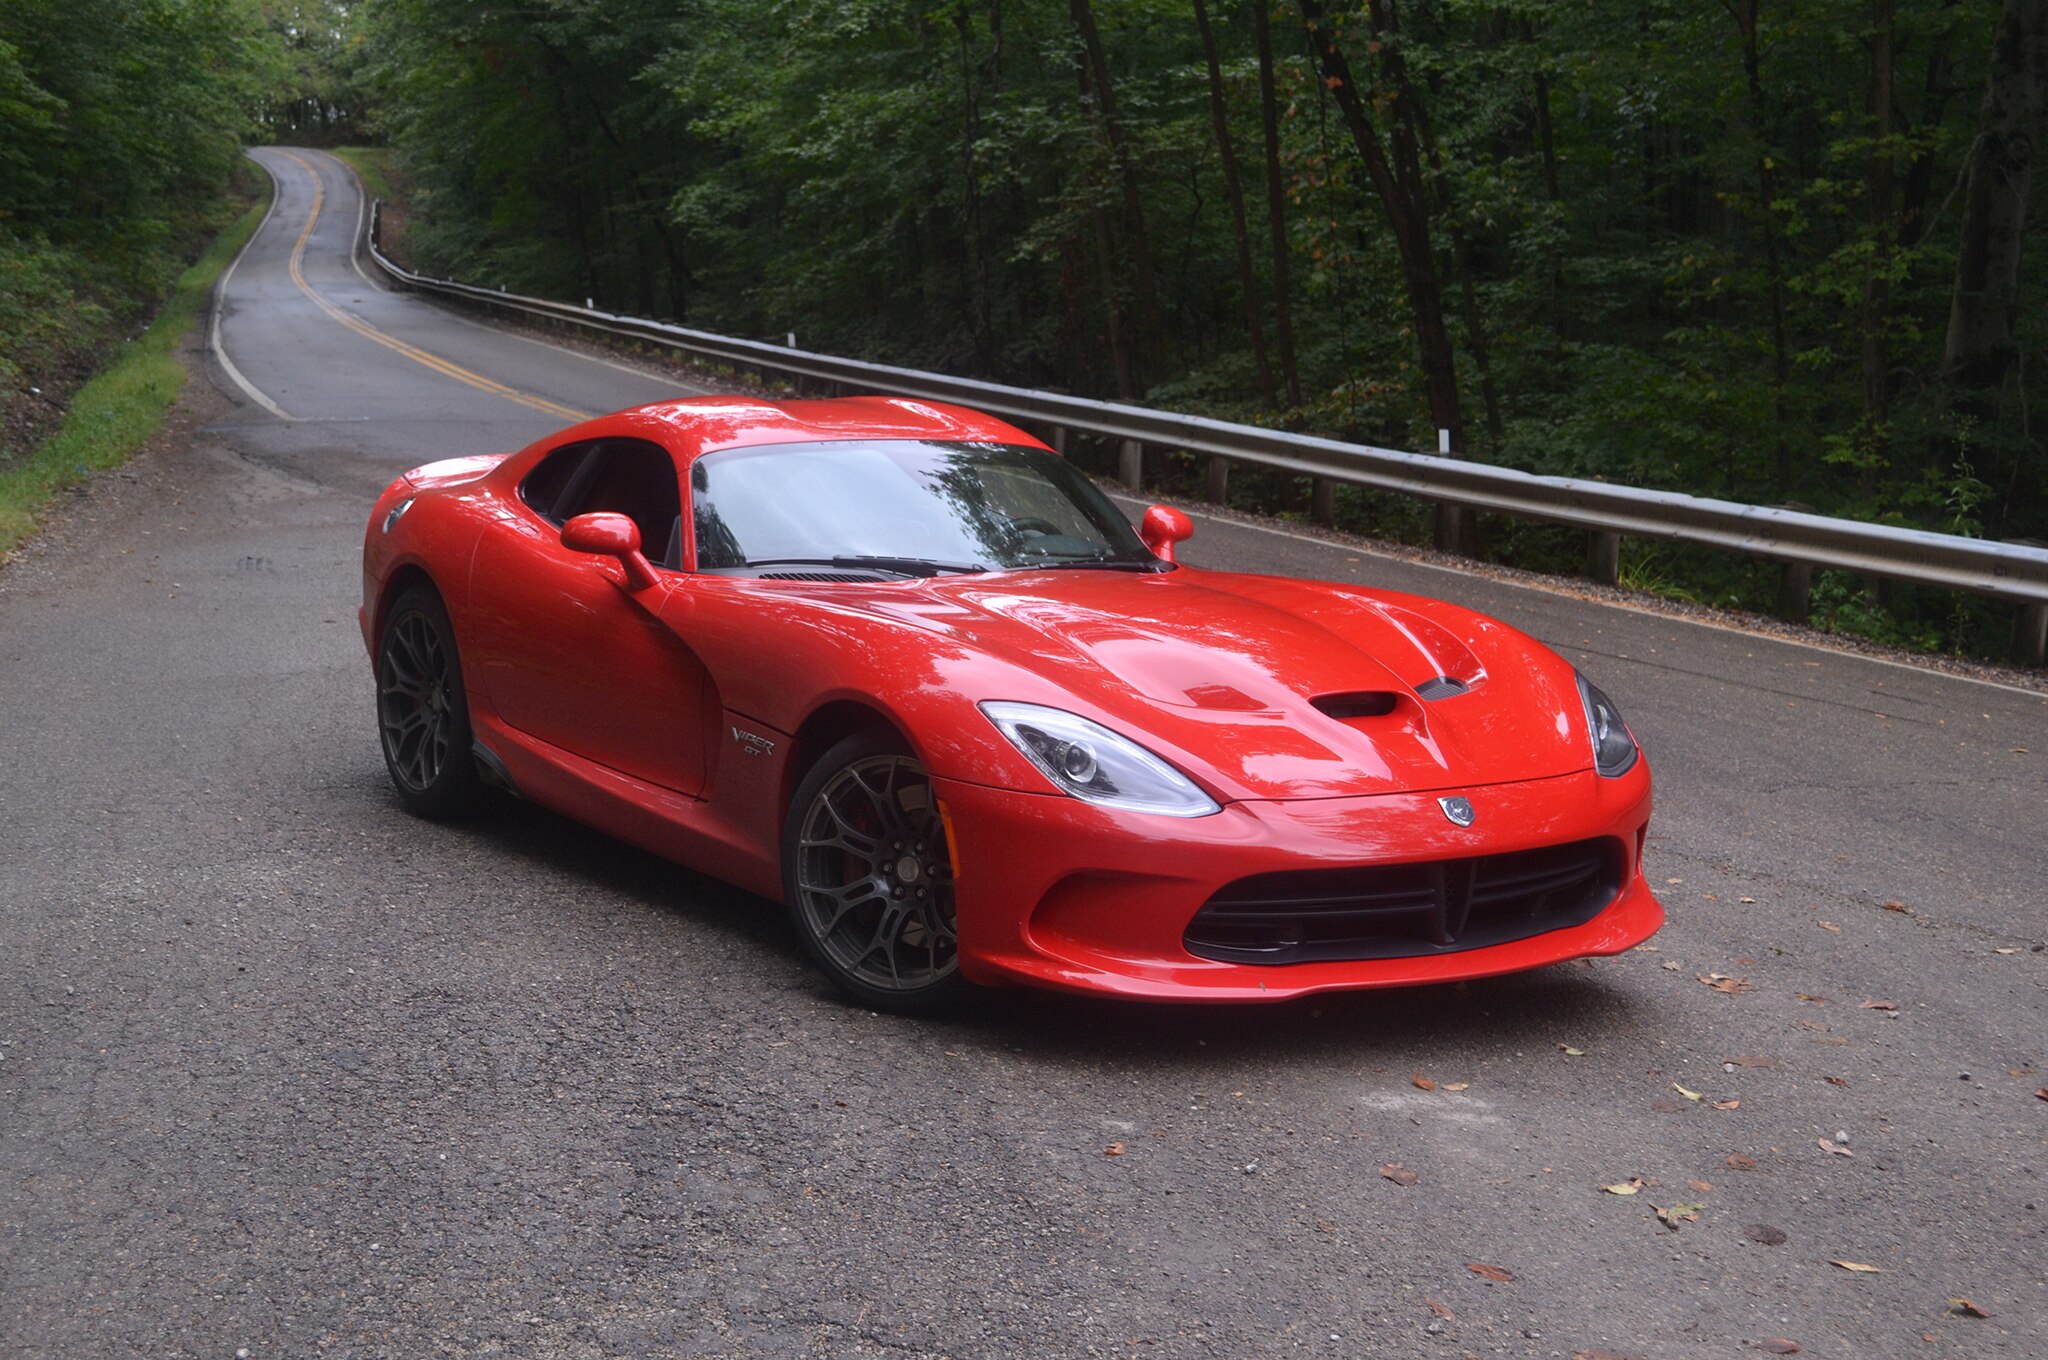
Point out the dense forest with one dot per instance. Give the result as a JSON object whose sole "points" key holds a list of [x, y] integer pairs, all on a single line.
{"points": [[121, 124], [1782, 251]]}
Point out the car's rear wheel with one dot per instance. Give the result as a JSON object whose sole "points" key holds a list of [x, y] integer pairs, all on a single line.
{"points": [[422, 713], [868, 876]]}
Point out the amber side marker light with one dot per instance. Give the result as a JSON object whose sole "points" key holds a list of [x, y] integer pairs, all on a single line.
{"points": [[952, 841]]}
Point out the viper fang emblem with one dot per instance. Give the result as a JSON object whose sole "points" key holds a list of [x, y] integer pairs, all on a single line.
{"points": [[1458, 810]]}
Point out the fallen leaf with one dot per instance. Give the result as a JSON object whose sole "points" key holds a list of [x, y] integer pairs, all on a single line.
{"points": [[1600, 1355], [1965, 1308], [1326, 1225], [1829, 925], [1721, 982], [1765, 1234], [1623, 1188], [1878, 1006], [2006, 949], [1750, 1060], [1113, 1150], [1737, 1162], [1671, 965], [1456, 1085], [1816, 1000], [1671, 1217], [1898, 907], [1750, 900], [1674, 881], [2041, 1094], [1422, 1083], [1829, 1145], [1498, 1274], [1858, 1267], [1689, 1095], [1398, 1174], [1777, 1345], [1735, 1104], [1837, 1081], [1571, 1052], [1440, 1309], [1700, 1187]]}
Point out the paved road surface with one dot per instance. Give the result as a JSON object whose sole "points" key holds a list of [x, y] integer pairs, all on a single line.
{"points": [[286, 1072]]}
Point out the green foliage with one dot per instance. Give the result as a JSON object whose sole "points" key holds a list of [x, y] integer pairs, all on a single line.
{"points": [[1688, 244], [123, 405]]}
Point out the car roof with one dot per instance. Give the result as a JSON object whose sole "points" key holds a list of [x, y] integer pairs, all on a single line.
{"points": [[694, 426]]}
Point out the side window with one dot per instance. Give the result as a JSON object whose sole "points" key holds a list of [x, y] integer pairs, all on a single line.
{"points": [[630, 477], [551, 477]]}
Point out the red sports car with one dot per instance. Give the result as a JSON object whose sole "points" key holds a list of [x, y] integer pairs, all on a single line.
{"points": [[904, 668]]}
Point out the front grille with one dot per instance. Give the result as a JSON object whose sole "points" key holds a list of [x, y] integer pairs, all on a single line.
{"points": [[1395, 911]]}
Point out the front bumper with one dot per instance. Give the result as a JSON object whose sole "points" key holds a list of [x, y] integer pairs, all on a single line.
{"points": [[1055, 892]]}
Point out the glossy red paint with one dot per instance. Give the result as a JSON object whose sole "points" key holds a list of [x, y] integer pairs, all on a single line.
{"points": [[677, 710]]}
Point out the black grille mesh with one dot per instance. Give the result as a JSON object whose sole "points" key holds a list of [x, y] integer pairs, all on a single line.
{"points": [[1392, 911]]}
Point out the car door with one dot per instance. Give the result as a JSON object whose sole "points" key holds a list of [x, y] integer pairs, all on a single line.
{"points": [[566, 653]]}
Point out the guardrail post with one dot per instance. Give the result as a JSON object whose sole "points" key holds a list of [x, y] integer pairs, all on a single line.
{"points": [[1059, 440], [1130, 464], [1603, 557], [1216, 482], [1322, 505], [2030, 634], [1795, 590]]}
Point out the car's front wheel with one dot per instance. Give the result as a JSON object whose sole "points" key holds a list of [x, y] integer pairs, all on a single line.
{"points": [[422, 713], [868, 877]]}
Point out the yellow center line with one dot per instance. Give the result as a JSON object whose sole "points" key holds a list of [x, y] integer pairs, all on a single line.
{"points": [[445, 367]]}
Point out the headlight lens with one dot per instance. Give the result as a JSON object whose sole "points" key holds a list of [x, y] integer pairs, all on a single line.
{"points": [[1614, 746], [1096, 765]]}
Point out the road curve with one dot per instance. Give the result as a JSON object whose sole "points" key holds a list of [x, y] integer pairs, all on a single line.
{"points": [[286, 1072]]}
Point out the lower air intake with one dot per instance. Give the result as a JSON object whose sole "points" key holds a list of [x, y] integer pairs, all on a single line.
{"points": [[1397, 911]]}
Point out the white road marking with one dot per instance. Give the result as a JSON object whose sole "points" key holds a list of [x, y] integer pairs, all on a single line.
{"points": [[220, 293]]}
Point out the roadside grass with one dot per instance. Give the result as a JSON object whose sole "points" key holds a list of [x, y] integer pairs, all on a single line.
{"points": [[126, 402], [374, 166]]}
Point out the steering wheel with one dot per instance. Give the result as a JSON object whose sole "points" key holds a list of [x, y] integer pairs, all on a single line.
{"points": [[1033, 524]]}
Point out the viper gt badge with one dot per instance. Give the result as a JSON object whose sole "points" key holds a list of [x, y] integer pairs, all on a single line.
{"points": [[1459, 810], [753, 743]]}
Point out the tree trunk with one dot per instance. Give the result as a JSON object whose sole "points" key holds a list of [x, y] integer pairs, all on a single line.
{"points": [[1397, 179], [1247, 278], [1877, 379], [1276, 205], [1143, 279], [1746, 17], [1980, 352]]}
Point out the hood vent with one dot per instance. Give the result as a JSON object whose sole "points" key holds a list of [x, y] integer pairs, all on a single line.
{"points": [[1443, 687], [1363, 704], [815, 576]]}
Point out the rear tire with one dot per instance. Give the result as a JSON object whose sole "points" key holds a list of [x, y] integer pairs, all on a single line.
{"points": [[868, 876], [422, 711]]}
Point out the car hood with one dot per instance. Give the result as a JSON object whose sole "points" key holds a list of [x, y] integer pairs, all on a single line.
{"points": [[1268, 688]]}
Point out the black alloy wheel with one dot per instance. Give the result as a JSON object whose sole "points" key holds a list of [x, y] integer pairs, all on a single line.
{"points": [[868, 877], [422, 714]]}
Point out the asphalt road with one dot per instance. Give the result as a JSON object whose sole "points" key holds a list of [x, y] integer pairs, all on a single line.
{"points": [[285, 1072]]}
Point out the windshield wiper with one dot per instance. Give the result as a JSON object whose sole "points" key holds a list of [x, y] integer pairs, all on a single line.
{"points": [[1096, 564], [900, 566]]}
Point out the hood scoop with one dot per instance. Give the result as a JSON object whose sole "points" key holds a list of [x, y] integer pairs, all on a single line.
{"points": [[1374, 703], [1443, 687]]}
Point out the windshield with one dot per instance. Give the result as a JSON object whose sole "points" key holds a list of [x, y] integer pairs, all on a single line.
{"points": [[905, 507]]}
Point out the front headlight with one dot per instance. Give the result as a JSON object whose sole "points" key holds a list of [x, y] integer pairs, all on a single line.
{"points": [[1096, 765], [1614, 746]]}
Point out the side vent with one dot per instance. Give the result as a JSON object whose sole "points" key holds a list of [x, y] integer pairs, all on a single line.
{"points": [[1443, 687], [815, 576], [1364, 704]]}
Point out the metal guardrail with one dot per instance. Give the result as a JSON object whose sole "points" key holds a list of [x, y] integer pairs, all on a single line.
{"points": [[2002, 570]]}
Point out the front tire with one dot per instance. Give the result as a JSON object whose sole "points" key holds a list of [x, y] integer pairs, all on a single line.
{"points": [[868, 877], [422, 712]]}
